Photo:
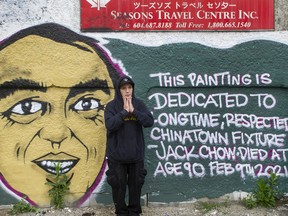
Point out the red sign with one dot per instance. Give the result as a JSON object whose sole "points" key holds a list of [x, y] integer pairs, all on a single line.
{"points": [[177, 15]]}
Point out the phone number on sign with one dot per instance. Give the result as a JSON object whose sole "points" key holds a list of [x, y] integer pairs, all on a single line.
{"points": [[153, 25], [229, 24]]}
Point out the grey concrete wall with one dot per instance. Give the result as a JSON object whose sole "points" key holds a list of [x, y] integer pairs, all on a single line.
{"points": [[281, 15]]}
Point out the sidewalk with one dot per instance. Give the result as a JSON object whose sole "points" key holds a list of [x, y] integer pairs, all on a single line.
{"points": [[157, 209]]}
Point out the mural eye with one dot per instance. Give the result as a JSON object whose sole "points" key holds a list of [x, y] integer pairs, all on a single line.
{"points": [[25, 111], [27, 107], [86, 104]]}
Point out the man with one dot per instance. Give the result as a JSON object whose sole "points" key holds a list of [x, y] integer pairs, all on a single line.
{"points": [[54, 85], [125, 118]]}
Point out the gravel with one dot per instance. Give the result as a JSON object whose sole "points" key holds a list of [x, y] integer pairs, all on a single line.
{"points": [[153, 209]]}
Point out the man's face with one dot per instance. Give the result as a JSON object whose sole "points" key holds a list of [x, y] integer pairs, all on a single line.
{"points": [[58, 120], [126, 90]]}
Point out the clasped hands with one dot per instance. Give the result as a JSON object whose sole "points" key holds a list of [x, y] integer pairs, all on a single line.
{"points": [[128, 106]]}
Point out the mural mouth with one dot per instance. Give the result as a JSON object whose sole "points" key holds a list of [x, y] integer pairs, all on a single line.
{"points": [[50, 162]]}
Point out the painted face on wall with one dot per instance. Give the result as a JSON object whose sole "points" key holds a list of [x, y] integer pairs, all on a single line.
{"points": [[52, 102]]}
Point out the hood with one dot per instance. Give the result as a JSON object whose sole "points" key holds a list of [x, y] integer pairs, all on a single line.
{"points": [[118, 96]]}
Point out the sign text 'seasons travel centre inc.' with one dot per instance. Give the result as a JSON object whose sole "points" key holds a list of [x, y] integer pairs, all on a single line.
{"points": [[179, 15]]}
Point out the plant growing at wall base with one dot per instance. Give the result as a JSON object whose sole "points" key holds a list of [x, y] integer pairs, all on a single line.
{"points": [[22, 207], [250, 201], [60, 187], [208, 206], [266, 194]]}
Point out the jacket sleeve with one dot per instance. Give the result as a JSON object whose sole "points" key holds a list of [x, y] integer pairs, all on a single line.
{"points": [[143, 115], [113, 120]]}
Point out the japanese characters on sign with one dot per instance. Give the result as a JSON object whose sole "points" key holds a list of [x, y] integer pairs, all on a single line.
{"points": [[179, 15]]}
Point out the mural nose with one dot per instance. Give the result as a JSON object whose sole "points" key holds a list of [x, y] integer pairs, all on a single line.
{"points": [[55, 133], [56, 145]]}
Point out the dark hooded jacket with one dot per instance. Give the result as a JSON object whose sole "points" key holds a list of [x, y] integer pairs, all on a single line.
{"points": [[125, 140]]}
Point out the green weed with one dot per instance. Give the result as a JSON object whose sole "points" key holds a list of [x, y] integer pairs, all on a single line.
{"points": [[60, 187], [266, 194], [22, 207], [209, 206]]}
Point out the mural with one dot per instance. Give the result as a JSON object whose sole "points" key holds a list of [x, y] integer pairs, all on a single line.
{"points": [[220, 114], [54, 86]]}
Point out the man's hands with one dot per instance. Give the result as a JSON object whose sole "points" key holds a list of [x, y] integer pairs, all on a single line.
{"points": [[128, 106]]}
